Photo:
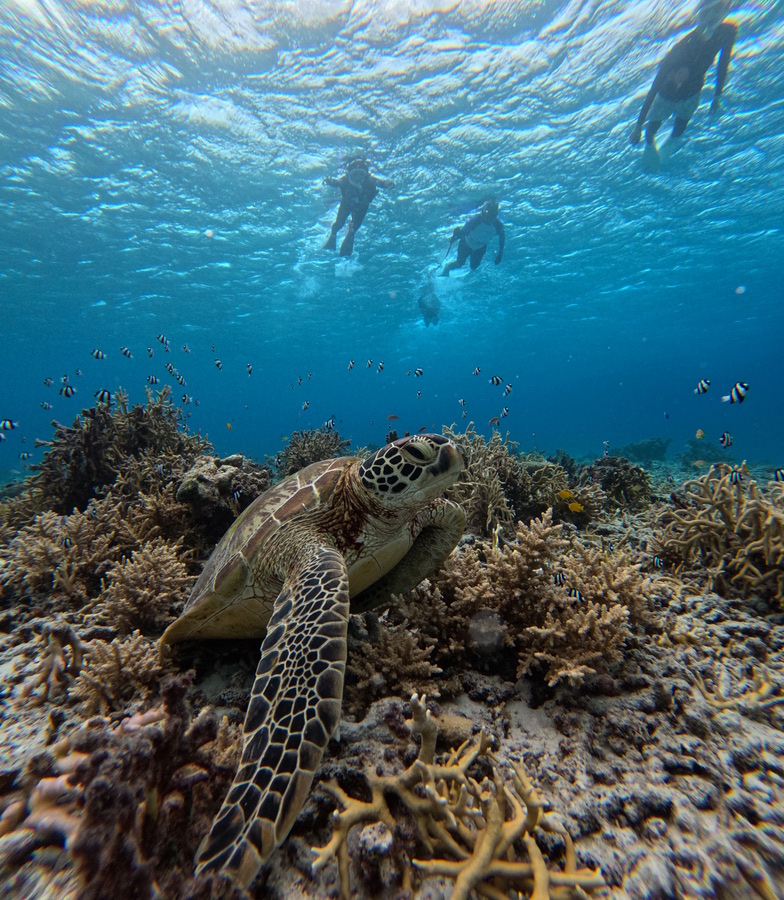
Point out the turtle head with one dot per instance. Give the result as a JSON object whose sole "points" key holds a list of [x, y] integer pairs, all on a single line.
{"points": [[412, 470]]}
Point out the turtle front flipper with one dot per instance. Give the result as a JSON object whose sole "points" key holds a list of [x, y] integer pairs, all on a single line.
{"points": [[441, 526], [293, 712]]}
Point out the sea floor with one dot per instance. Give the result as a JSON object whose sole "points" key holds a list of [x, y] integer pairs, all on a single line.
{"points": [[665, 768]]}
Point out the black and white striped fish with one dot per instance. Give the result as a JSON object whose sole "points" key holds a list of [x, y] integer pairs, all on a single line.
{"points": [[737, 394], [151, 379], [67, 390], [496, 380], [418, 371], [350, 364], [477, 370], [126, 352], [329, 425], [778, 475], [97, 354], [507, 390], [736, 476], [559, 578], [219, 365], [8, 425], [103, 396], [726, 439], [574, 593], [702, 386], [380, 366], [504, 412]]}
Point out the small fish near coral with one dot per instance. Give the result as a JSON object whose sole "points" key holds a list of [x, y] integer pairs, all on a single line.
{"points": [[725, 440], [293, 530]]}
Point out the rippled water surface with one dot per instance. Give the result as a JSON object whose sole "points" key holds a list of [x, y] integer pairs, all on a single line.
{"points": [[162, 169]]}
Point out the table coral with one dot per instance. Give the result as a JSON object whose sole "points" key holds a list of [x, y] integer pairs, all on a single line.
{"points": [[481, 835], [734, 528]]}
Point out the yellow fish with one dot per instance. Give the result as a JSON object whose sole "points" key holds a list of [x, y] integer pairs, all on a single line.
{"points": [[576, 507], [700, 434], [565, 495]]}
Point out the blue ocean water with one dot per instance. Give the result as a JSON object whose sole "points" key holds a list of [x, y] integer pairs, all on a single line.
{"points": [[162, 172]]}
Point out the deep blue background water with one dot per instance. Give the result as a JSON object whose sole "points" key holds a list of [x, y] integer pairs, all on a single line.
{"points": [[128, 131]]}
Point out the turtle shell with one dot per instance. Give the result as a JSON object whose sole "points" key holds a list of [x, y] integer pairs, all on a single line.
{"points": [[224, 602]]}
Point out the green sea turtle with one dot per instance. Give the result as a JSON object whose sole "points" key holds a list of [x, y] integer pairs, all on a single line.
{"points": [[339, 530]]}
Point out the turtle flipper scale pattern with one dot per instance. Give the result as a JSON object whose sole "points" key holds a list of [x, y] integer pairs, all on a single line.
{"points": [[293, 712]]}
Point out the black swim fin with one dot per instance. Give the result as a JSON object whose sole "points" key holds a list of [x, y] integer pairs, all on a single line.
{"points": [[347, 247]]}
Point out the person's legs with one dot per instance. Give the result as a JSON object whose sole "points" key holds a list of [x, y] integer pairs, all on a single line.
{"points": [[340, 220], [347, 247], [476, 257], [462, 256]]}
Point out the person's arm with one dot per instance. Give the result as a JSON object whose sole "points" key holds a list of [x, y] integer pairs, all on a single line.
{"points": [[636, 134], [332, 181], [725, 55], [385, 183], [499, 228]]}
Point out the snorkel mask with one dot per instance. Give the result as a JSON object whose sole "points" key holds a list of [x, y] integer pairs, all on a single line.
{"points": [[357, 171], [490, 209], [711, 14]]}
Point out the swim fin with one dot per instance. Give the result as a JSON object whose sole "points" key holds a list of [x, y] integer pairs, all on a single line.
{"points": [[651, 160], [347, 247], [669, 147], [331, 241]]}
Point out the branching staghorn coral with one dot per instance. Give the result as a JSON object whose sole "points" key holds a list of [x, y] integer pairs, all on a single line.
{"points": [[499, 486], [116, 672], [540, 602], [59, 665], [68, 557], [102, 441], [480, 835], [387, 660], [147, 590], [733, 528], [306, 447]]}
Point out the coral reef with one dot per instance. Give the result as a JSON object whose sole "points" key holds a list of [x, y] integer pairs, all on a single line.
{"points": [[102, 442], [733, 529], [540, 603], [131, 803], [147, 590], [645, 451], [627, 486], [117, 673], [218, 490], [481, 835], [499, 486], [306, 447]]}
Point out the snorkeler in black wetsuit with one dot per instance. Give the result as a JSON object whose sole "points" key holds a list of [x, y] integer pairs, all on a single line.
{"points": [[357, 188], [474, 236], [680, 79]]}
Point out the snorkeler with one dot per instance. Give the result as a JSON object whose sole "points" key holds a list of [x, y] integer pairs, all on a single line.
{"points": [[474, 236], [681, 76], [357, 188]]}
